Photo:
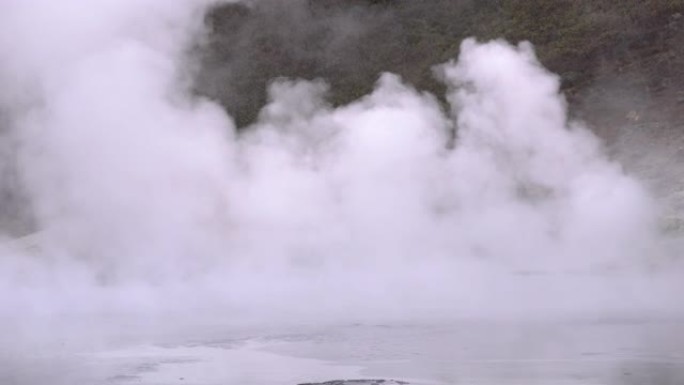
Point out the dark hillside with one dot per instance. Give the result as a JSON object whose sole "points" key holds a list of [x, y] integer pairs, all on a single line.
{"points": [[633, 49]]}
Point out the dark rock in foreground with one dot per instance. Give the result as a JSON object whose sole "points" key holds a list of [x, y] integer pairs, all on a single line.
{"points": [[359, 382]]}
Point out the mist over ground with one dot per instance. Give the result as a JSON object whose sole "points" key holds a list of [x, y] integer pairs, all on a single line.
{"points": [[144, 208]]}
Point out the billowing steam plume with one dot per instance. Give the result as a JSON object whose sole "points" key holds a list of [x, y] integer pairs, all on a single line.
{"points": [[146, 199]]}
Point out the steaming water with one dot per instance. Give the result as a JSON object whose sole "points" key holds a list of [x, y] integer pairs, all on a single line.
{"points": [[155, 221]]}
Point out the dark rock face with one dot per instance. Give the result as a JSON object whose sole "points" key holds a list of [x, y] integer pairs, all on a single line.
{"points": [[346, 43], [359, 382]]}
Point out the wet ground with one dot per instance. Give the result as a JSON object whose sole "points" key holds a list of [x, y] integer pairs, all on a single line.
{"points": [[587, 352]]}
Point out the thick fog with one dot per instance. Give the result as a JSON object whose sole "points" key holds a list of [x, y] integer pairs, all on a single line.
{"points": [[146, 205]]}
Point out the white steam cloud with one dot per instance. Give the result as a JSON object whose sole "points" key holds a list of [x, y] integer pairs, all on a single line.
{"points": [[148, 200]]}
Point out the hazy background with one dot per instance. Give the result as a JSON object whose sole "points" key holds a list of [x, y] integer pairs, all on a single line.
{"points": [[170, 164]]}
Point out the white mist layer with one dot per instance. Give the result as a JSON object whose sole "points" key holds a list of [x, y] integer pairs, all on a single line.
{"points": [[150, 203]]}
